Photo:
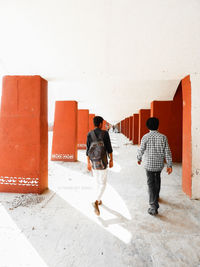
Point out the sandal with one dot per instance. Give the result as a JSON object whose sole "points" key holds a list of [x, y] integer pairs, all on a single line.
{"points": [[96, 208]]}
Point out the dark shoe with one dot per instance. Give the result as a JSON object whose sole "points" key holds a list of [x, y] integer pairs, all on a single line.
{"points": [[152, 211], [96, 208]]}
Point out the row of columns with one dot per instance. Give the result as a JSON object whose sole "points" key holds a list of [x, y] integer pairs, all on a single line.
{"points": [[24, 133], [175, 118], [71, 126]]}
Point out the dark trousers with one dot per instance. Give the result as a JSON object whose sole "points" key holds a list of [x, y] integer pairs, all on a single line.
{"points": [[153, 182]]}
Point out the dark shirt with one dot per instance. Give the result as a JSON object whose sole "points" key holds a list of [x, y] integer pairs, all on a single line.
{"points": [[106, 140]]}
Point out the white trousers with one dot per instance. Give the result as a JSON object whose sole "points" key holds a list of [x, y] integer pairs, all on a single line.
{"points": [[101, 180]]}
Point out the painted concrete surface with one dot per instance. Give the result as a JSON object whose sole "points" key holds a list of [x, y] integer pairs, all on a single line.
{"points": [[195, 84], [63, 231]]}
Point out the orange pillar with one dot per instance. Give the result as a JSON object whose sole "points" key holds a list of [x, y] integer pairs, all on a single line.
{"points": [[130, 128], [128, 123], [24, 135], [104, 125], [118, 127], [144, 115], [135, 129], [122, 126], [126, 127], [64, 147], [187, 137], [91, 124], [83, 127]]}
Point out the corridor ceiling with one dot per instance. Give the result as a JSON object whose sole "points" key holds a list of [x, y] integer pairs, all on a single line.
{"points": [[113, 56]]}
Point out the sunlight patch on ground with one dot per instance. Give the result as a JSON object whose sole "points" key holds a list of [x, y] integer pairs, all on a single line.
{"points": [[78, 189]]}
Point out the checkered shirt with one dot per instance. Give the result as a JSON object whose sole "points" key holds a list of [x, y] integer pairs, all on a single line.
{"points": [[155, 148]]}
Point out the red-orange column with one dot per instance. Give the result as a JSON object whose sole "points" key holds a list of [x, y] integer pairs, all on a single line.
{"points": [[118, 127], [24, 135], [104, 127], [91, 124], [128, 123], [83, 127], [135, 129], [122, 126], [130, 127], [126, 127], [144, 115], [64, 147], [187, 137]]}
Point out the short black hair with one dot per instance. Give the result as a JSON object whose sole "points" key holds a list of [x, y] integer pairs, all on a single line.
{"points": [[97, 120], [152, 123]]}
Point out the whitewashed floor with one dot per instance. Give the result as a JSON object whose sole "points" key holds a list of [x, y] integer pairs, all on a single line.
{"points": [[63, 231]]}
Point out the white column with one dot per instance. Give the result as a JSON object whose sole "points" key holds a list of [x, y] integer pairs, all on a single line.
{"points": [[195, 132]]}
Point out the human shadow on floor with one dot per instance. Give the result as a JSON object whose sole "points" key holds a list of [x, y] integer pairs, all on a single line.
{"points": [[172, 204], [120, 219]]}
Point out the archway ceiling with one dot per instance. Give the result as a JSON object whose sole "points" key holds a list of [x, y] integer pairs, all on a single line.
{"points": [[113, 56]]}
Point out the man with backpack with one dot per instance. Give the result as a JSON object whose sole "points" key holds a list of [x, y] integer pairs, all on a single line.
{"points": [[98, 148]]}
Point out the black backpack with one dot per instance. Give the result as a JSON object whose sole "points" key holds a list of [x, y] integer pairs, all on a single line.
{"points": [[97, 151]]}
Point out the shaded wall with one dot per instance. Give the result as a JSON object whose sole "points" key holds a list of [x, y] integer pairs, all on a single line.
{"points": [[135, 129], [169, 114], [144, 114], [130, 128]]}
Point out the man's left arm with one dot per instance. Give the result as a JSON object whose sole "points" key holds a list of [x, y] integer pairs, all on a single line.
{"points": [[168, 157], [109, 149]]}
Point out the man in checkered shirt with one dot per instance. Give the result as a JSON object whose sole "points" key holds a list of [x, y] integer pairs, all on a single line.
{"points": [[155, 148]]}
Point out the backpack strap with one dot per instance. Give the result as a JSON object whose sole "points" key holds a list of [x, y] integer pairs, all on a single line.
{"points": [[94, 137]]}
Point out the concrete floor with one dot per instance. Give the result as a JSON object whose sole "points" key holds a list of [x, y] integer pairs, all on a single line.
{"points": [[63, 231]]}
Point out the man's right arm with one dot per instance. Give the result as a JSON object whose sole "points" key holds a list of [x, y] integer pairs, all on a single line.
{"points": [[89, 165], [168, 157]]}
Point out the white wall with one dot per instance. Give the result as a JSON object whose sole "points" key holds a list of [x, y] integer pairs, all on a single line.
{"points": [[113, 56], [195, 85]]}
